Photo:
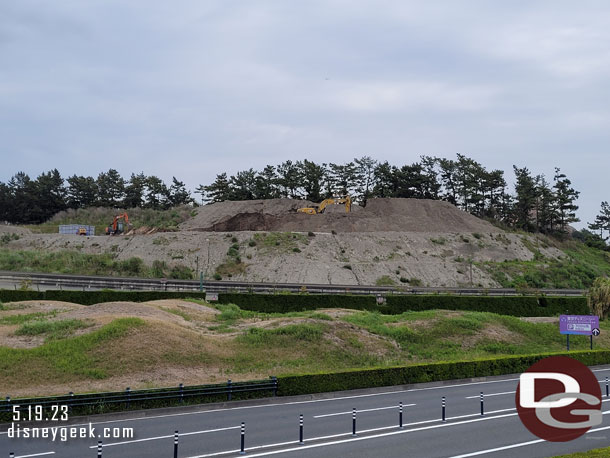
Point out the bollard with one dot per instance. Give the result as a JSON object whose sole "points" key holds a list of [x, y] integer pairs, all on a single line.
{"points": [[175, 444], [274, 380], [99, 449], [301, 429], [11, 455], [443, 405], [400, 415], [354, 422], [482, 407], [128, 393], [606, 386], [243, 439], [181, 388], [229, 390]]}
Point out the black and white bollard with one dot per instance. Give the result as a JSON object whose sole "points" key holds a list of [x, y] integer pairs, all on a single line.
{"points": [[354, 422], [11, 455], [443, 406], [400, 414], [99, 449], [176, 444], [301, 429], [607, 393], [242, 450], [482, 405]]}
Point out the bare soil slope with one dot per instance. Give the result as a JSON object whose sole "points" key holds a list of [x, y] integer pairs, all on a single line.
{"points": [[380, 215]]}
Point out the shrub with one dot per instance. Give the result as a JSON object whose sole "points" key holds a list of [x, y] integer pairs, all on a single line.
{"points": [[403, 280], [347, 266], [217, 277], [296, 249], [252, 243], [234, 239], [311, 234], [599, 297], [385, 280]]}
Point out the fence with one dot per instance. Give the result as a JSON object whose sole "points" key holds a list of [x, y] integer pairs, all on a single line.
{"points": [[128, 399]]}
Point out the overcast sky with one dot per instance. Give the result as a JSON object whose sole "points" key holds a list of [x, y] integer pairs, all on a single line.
{"points": [[193, 88]]}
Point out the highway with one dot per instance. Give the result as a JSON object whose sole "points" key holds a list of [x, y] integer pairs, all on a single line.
{"points": [[45, 281], [272, 427]]}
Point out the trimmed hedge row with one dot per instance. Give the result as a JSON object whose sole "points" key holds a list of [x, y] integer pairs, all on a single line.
{"points": [[280, 303], [95, 297], [504, 305], [418, 373]]}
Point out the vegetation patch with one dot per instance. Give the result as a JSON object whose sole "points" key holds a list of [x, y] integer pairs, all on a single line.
{"points": [[52, 330]]}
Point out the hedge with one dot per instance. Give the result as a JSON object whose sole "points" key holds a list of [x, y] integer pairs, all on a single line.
{"points": [[504, 305], [418, 373], [280, 303], [95, 297]]}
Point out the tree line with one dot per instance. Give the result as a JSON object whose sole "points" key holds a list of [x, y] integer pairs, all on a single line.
{"points": [[24, 200], [535, 204]]}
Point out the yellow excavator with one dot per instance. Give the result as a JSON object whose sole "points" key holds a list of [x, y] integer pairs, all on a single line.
{"points": [[347, 200]]}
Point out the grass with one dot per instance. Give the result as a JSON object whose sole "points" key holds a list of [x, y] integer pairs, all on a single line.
{"points": [[75, 262], [280, 241], [178, 312], [25, 317], [597, 453], [52, 330], [64, 360], [385, 280]]}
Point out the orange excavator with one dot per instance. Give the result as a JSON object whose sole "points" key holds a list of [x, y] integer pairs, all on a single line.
{"points": [[119, 224]]}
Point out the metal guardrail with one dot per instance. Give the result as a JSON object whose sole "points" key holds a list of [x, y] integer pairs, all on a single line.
{"points": [[82, 282], [127, 397]]}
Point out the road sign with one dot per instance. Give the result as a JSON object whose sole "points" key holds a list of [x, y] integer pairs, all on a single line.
{"points": [[583, 325], [209, 297]]}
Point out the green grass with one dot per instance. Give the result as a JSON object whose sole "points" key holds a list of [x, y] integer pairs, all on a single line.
{"points": [[178, 312], [597, 453], [271, 337], [280, 241], [64, 360], [52, 330], [25, 317], [75, 262], [385, 280]]}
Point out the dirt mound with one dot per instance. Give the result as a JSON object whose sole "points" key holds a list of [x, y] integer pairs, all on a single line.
{"points": [[380, 215]]}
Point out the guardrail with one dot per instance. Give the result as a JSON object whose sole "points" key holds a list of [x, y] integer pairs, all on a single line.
{"points": [[57, 281], [130, 398]]}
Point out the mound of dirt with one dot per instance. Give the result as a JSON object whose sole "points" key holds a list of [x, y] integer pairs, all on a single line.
{"points": [[380, 215], [7, 229]]}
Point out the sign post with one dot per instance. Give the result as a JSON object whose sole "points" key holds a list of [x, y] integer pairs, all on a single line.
{"points": [[583, 325]]}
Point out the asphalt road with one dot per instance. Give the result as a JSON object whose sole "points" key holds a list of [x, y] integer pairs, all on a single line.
{"points": [[272, 427]]}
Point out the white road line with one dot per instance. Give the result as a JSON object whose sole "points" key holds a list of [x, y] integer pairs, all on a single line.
{"points": [[35, 454], [521, 444], [491, 394], [361, 410], [147, 439], [356, 439], [313, 401]]}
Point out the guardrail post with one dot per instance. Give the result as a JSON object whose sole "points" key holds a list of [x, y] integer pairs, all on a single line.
{"points": [[443, 405], [181, 387], [301, 429], [400, 415], [354, 422], [99, 449], [243, 439], [128, 393], [229, 390], [274, 380], [175, 444], [11, 455], [607, 387], [482, 407]]}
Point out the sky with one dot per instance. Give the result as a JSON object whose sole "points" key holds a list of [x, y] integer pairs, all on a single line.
{"points": [[193, 88]]}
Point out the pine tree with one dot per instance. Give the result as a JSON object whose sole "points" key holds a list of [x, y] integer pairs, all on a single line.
{"points": [[565, 198], [218, 191], [525, 199]]}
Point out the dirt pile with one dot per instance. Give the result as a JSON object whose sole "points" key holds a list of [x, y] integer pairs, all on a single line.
{"points": [[380, 215]]}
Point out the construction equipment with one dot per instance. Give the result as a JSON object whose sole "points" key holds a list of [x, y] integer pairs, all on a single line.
{"points": [[82, 231], [118, 225], [347, 200]]}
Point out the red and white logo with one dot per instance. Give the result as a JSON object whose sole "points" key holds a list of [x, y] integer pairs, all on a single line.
{"points": [[559, 399]]}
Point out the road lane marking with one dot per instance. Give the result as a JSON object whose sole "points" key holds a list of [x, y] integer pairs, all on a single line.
{"points": [[147, 439], [356, 439], [361, 410], [491, 394], [35, 454], [520, 444]]}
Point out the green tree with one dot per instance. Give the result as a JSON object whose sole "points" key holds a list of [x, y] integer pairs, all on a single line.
{"points": [[82, 191], [599, 297], [364, 176], [266, 184], [565, 198], [110, 189], [134, 191], [218, 191], [313, 176], [156, 193], [178, 194], [525, 198]]}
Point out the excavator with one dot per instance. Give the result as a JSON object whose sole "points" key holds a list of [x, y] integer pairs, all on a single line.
{"points": [[347, 200], [118, 224]]}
